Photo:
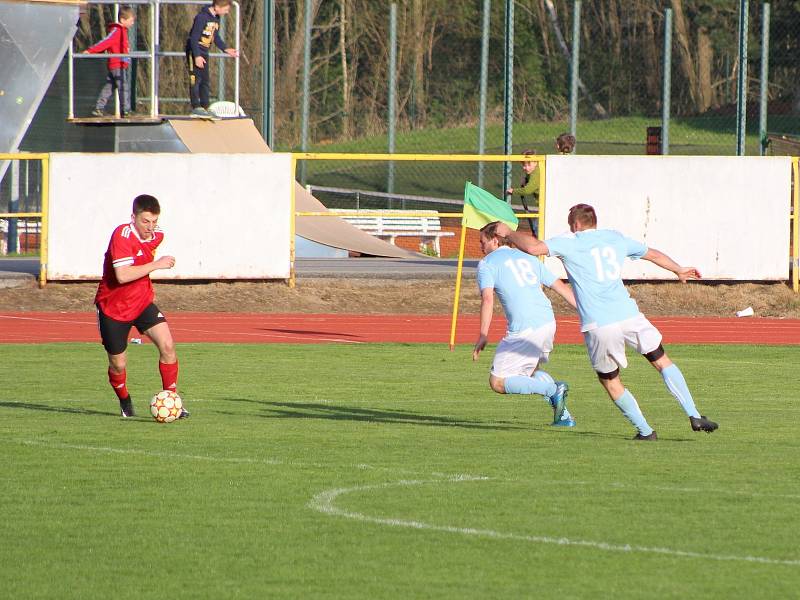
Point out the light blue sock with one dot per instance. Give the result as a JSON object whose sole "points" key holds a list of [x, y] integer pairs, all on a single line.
{"points": [[630, 408], [528, 385], [546, 377], [676, 384]]}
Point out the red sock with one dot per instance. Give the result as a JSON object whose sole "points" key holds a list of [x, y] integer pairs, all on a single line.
{"points": [[117, 381], [169, 375]]}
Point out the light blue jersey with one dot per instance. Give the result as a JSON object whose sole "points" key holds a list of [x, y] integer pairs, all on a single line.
{"points": [[594, 259], [517, 278]]}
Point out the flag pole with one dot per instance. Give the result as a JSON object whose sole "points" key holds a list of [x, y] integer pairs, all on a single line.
{"points": [[458, 284]]}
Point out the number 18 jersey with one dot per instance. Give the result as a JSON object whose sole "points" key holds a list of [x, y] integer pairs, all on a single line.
{"points": [[593, 260], [518, 278]]}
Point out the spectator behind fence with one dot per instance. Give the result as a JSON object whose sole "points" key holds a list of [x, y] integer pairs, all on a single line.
{"points": [[117, 43], [565, 143], [204, 32], [529, 187]]}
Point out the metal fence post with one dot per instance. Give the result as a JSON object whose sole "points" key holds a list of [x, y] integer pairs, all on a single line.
{"points": [[764, 102], [508, 95], [392, 93], [221, 66], [487, 10], [741, 94], [574, 67], [667, 84], [70, 83], [268, 72], [153, 59], [306, 87]]}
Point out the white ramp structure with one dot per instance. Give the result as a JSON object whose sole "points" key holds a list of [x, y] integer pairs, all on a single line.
{"points": [[34, 36]]}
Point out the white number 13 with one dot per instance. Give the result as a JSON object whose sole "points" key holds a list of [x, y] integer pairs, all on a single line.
{"points": [[606, 262]]}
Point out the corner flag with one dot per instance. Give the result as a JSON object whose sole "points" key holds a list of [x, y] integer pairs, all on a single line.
{"points": [[481, 208]]}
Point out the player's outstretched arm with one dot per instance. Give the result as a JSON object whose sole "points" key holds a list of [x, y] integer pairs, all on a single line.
{"points": [[134, 272], [565, 291], [487, 311], [524, 241], [665, 262]]}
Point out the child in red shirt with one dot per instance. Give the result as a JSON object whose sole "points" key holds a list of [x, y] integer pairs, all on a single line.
{"points": [[116, 42]]}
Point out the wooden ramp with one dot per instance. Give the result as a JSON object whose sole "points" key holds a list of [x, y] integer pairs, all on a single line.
{"points": [[241, 136]]}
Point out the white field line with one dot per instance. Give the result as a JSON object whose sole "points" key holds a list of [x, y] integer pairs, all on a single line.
{"points": [[324, 502], [395, 470], [39, 319], [206, 458], [667, 488]]}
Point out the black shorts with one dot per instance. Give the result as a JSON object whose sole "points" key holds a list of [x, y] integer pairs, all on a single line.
{"points": [[114, 334]]}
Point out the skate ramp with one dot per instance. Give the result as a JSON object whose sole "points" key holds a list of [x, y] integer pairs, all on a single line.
{"points": [[241, 136], [34, 36]]}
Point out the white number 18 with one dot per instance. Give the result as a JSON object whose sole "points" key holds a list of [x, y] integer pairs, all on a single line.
{"points": [[523, 272]]}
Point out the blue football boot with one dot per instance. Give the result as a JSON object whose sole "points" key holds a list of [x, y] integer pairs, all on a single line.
{"points": [[559, 401], [566, 421]]}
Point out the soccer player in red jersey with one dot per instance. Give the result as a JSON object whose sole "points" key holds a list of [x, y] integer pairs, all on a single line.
{"points": [[125, 298]]}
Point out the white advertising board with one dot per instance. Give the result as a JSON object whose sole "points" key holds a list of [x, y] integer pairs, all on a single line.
{"points": [[727, 216], [224, 216]]}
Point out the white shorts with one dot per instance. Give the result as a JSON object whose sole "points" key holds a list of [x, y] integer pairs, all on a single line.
{"points": [[520, 353], [606, 344]]}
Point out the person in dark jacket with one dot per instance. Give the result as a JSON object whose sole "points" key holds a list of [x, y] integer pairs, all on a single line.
{"points": [[204, 32], [116, 42]]}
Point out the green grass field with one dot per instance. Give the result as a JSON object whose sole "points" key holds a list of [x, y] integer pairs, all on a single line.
{"points": [[380, 471]]}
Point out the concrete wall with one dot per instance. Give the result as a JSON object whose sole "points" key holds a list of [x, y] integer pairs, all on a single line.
{"points": [[727, 216], [224, 216]]}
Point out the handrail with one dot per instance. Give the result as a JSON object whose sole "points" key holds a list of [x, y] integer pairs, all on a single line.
{"points": [[154, 52]]}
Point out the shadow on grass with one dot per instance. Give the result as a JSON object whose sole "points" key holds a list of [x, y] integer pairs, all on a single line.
{"points": [[308, 332], [628, 437], [287, 410], [57, 409]]}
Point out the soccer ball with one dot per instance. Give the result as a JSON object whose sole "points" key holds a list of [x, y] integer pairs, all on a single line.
{"points": [[166, 406]]}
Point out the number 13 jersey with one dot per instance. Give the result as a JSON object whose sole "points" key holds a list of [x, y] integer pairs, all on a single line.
{"points": [[593, 260]]}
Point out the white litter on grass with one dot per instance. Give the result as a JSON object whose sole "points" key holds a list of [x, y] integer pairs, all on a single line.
{"points": [[324, 502], [745, 312]]}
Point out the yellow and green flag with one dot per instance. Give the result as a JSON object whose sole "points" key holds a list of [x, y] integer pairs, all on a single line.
{"points": [[481, 208]]}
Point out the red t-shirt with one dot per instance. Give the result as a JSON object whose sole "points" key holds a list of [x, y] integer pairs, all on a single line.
{"points": [[126, 301]]}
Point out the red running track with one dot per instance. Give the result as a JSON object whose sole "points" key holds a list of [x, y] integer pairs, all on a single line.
{"points": [[267, 328]]}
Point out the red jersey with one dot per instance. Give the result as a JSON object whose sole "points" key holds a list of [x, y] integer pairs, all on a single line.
{"points": [[116, 42], [126, 301]]}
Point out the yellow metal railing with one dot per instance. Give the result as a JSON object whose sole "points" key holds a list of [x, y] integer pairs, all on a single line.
{"points": [[541, 160], [45, 199], [43, 235], [796, 224]]}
